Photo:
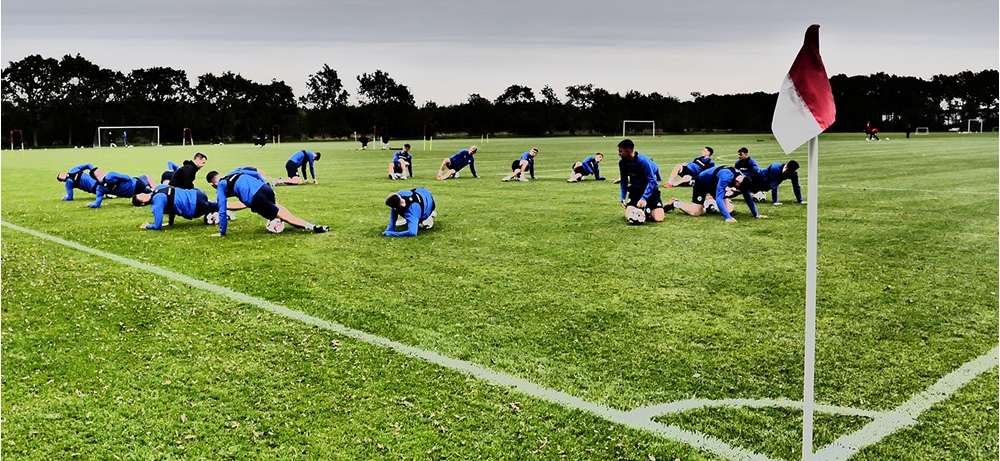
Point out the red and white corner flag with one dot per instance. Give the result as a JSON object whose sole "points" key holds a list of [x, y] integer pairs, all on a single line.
{"points": [[805, 103]]}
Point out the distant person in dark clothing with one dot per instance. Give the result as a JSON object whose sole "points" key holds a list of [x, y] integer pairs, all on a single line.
{"points": [[908, 130], [385, 141], [364, 142], [260, 140]]}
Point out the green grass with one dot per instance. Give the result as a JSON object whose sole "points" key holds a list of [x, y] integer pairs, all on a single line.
{"points": [[540, 280]]}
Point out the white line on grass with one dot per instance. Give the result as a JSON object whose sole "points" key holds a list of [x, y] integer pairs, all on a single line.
{"points": [[843, 448], [828, 186]]}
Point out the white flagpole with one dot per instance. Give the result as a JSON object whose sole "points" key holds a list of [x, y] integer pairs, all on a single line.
{"points": [[812, 209]]}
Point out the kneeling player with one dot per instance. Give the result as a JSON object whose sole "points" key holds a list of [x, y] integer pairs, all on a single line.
{"points": [[722, 182], [189, 203], [589, 166], [689, 171], [247, 185], [416, 206], [639, 188], [76, 179], [299, 160], [401, 164], [521, 165]]}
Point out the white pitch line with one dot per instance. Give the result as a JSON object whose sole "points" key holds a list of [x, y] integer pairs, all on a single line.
{"points": [[828, 186], [696, 439], [843, 448]]}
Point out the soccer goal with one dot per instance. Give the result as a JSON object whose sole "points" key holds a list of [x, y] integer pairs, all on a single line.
{"points": [[922, 130], [639, 126], [968, 128], [127, 136]]}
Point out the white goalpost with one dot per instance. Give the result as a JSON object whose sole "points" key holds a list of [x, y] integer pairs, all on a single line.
{"points": [[968, 128], [922, 130], [626, 122], [109, 136]]}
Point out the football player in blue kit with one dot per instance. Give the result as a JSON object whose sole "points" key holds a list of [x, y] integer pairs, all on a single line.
{"points": [[75, 178], [416, 206], [402, 163], [248, 185], [689, 171], [299, 160], [173, 201], [121, 185], [589, 166], [639, 188], [524, 164], [722, 182], [452, 165]]}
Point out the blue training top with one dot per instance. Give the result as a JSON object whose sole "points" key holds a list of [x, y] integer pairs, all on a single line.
{"points": [[75, 178], [461, 159], [772, 177], [118, 185], [185, 203], [700, 164], [638, 175], [302, 157], [717, 179], [747, 166], [415, 212], [246, 182]]}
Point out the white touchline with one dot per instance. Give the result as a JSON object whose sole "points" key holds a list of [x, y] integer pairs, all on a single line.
{"points": [[883, 425]]}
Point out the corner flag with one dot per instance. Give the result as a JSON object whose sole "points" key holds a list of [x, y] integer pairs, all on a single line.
{"points": [[805, 102], [805, 108]]}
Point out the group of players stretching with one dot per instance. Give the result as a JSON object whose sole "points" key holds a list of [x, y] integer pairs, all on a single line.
{"points": [[176, 195]]}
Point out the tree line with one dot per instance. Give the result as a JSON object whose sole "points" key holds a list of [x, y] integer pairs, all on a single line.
{"points": [[63, 101]]}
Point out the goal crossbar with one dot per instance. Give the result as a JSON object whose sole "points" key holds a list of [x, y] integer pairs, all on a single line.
{"points": [[101, 129], [626, 122]]}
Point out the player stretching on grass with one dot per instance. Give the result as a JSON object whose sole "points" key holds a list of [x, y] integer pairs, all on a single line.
{"points": [[456, 162], [299, 160], [638, 182], [689, 172], [519, 166], [120, 185], [249, 186], [189, 203], [723, 182], [772, 176], [401, 164], [745, 164], [589, 166], [76, 179], [416, 206]]}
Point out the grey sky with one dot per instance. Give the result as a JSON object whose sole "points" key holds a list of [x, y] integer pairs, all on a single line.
{"points": [[446, 49]]}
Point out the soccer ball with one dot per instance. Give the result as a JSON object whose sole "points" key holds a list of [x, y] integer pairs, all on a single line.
{"points": [[636, 216], [275, 226], [711, 206], [759, 197], [212, 219], [230, 215]]}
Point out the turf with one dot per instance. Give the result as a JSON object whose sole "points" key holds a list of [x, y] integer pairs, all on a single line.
{"points": [[542, 280]]}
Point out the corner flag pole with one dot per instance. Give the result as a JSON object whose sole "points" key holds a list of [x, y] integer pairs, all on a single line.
{"points": [[806, 108], [812, 209]]}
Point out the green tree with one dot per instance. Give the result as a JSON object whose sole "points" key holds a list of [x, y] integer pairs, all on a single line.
{"points": [[30, 88], [378, 89], [325, 90]]}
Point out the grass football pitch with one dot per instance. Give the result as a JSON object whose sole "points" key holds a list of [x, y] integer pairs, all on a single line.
{"points": [[530, 323]]}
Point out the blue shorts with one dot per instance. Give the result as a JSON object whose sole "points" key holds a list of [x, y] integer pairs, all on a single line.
{"points": [[292, 169], [264, 203]]}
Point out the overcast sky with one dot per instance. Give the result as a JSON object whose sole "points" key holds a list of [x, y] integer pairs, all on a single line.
{"points": [[444, 50]]}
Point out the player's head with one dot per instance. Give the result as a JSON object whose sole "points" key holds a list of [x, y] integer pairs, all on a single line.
{"points": [[61, 177], [406, 147], [598, 157], [317, 155], [791, 167], [743, 183], [213, 178], [200, 159], [743, 153], [534, 151], [626, 148], [473, 149], [707, 152], [142, 199], [395, 202]]}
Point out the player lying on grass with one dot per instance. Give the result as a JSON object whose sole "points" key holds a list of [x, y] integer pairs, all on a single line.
{"points": [[721, 182], [689, 171], [75, 178], [772, 177], [183, 176], [120, 185], [452, 165], [521, 165], [248, 185], [416, 206], [172, 201], [299, 160], [639, 188], [401, 164], [589, 166]]}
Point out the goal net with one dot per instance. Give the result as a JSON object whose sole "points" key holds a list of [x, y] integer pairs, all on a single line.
{"points": [[127, 136], [639, 127], [922, 130]]}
